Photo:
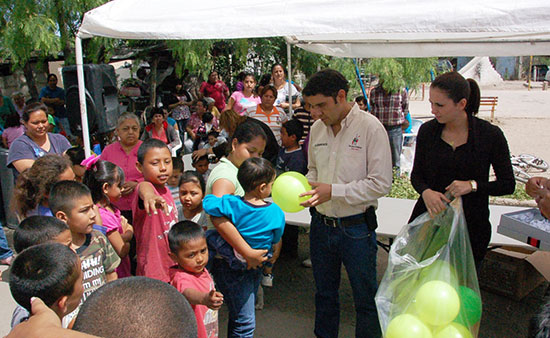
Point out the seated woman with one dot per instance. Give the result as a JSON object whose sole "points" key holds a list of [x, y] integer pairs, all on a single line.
{"points": [[37, 141], [195, 122], [160, 129]]}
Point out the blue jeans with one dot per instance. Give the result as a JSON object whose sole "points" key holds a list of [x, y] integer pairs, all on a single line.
{"points": [[355, 247], [395, 134], [5, 250], [239, 290], [219, 246]]}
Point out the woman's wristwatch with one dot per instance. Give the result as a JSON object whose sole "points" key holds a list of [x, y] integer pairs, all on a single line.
{"points": [[473, 183]]}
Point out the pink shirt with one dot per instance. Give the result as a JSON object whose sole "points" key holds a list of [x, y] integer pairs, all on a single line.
{"points": [[11, 133], [151, 234], [112, 222], [207, 319], [115, 154], [242, 103], [215, 91]]}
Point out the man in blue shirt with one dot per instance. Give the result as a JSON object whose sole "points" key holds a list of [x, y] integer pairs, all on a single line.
{"points": [[54, 97]]}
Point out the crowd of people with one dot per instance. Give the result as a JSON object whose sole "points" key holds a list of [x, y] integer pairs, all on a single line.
{"points": [[212, 234]]}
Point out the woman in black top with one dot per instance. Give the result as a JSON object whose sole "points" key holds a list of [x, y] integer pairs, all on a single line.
{"points": [[454, 153]]}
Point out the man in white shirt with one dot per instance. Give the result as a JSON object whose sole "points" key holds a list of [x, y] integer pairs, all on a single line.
{"points": [[350, 167]]}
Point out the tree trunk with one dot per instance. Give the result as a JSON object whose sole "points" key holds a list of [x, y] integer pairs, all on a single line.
{"points": [[29, 78], [153, 81]]}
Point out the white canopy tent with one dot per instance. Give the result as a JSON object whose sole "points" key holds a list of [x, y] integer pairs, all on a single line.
{"points": [[352, 28]]}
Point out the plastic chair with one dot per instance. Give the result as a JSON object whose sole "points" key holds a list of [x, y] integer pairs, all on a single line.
{"points": [[410, 138], [176, 148]]}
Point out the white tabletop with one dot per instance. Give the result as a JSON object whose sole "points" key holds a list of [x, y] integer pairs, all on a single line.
{"points": [[393, 214]]}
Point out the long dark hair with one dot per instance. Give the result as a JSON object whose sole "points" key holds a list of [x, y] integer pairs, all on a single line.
{"points": [[458, 88], [247, 131], [100, 173]]}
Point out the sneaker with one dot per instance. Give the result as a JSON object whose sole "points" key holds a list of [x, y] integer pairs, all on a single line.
{"points": [[267, 280], [7, 261], [307, 263]]}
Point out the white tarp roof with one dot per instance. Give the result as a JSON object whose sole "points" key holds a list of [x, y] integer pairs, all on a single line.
{"points": [[355, 28]]}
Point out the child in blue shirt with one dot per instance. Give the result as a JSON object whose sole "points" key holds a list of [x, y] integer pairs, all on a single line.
{"points": [[291, 157], [260, 223]]}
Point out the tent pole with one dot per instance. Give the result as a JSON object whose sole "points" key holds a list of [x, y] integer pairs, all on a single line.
{"points": [[288, 56], [361, 83], [82, 96]]}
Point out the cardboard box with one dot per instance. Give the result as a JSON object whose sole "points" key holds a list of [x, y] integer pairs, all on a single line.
{"points": [[514, 272], [527, 226]]}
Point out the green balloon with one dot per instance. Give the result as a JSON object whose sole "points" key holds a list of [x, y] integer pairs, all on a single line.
{"points": [[437, 303], [286, 190], [409, 326], [453, 330], [470, 307]]}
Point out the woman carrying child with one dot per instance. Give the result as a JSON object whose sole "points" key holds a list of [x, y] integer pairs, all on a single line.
{"points": [[239, 287], [105, 181]]}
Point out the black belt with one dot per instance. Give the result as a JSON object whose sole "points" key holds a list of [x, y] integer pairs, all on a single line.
{"points": [[347, 221]]}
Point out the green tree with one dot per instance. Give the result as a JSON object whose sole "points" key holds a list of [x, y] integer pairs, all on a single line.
{"points": [[397, 73], [42, 29]]}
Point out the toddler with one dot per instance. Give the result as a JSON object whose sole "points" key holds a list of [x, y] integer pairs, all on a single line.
{"points": [[105, 180], [189, 250], [212, 139], [260, 223]]}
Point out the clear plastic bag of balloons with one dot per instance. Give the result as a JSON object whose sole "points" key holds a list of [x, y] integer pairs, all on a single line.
{"points": [[430, 288]]}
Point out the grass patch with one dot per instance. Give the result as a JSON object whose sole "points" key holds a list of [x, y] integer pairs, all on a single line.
{"points": [[402, 188], [519, 194]]}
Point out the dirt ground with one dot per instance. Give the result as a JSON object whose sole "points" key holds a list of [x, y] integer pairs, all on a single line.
{"points": [[289, 305]]}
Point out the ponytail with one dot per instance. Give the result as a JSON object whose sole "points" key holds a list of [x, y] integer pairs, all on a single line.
{"points": [[99, 172], [472, 105], [458, 88]]}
